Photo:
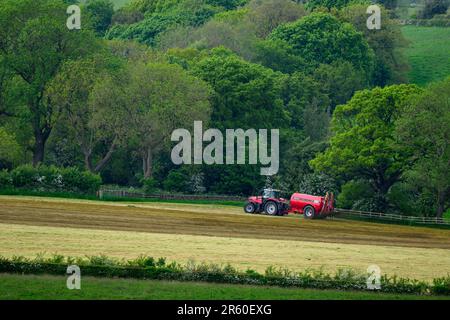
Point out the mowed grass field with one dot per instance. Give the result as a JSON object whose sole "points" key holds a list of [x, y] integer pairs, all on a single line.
{"points": [[54, 288], [428, 53], [218, 234]]}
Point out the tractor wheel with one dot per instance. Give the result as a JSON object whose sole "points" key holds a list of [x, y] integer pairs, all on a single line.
{"points": [[249, 207], [271, 208], [309, 212]]}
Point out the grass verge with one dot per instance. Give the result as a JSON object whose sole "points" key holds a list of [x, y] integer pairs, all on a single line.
{"points": [[48, 287]]}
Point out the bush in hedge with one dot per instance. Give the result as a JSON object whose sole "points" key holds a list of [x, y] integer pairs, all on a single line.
{"points": [[149, 185], [441, 286], [24, 176], [50, 179], [149, 268], [80, 181], [176, 181]]}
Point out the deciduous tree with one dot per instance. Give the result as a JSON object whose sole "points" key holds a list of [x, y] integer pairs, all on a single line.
{"points": [[424, 129], [388, 44], [322, 38], [100, 14], [92, 123], [156, 99], [246, 95], [363, 143], [34, 42]]}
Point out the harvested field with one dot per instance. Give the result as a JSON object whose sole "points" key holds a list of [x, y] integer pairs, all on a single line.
{"points": [[209, 220], [217, 234]]}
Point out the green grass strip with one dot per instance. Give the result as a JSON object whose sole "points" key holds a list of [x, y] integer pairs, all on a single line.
{"points": [[46, 287]]}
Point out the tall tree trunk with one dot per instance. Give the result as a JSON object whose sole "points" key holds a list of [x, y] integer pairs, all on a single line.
{"points": [[88, 160], [144, 164], [147, 163], [40, 139], [38, 152], [102, 163], [41, 130]]}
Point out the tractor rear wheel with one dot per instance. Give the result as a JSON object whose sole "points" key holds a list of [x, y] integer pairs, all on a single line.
{"points": [[309, 212], [249, 207], [271, 208]]}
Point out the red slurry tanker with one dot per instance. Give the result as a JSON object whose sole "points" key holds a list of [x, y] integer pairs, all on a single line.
{"points": [[271, 202]]}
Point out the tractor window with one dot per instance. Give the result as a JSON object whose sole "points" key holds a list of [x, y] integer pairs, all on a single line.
{"points": [[268, 194]]}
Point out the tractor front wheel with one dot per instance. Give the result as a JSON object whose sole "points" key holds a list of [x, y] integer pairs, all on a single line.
{"points": [[309, 212], [271, 208], [249, 207]]}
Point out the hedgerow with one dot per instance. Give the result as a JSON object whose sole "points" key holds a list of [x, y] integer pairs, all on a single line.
{"points": [[50, 179], [159, 269]]}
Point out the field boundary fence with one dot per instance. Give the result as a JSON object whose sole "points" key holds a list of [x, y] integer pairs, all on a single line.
{"points": [[128, 194], [341, 213]]}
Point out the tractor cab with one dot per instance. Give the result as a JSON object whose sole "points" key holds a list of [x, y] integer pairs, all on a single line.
{"points": [[271, 194]]}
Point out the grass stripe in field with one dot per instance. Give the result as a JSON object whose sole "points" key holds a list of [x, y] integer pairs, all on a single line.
{"points": [[53, 287], [418, 263]]}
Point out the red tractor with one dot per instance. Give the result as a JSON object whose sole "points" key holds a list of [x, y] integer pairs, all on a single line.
{"points": [[272, 203]]}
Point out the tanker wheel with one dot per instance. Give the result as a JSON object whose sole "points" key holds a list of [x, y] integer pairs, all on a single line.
{"points": [[250, 207], [271, 208], [309, 212]]}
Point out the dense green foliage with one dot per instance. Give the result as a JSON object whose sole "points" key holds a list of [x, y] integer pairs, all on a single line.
{"points": [[322, 38], [434, 7], [149, 268], [388, 44], [430, 115], [50, 179], [246, 95], [158, 16], [107, 97], [35, 42], [339, 4], [9, 148], [100, 13], [362, 145]]}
